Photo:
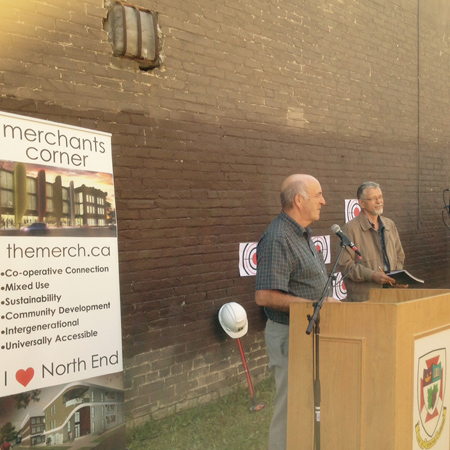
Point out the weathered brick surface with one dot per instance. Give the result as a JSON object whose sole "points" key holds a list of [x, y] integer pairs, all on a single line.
{"points": [[248, 92]]}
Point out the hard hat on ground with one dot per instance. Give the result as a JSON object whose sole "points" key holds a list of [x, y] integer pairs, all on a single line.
{"points": [[233, 318]]}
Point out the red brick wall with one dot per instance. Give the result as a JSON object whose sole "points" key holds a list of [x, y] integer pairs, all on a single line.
{"points": [[248, 93]]}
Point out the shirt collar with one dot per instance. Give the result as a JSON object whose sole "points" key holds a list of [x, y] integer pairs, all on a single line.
{"points": [[305, 232], [367, 224], [381, 227]]}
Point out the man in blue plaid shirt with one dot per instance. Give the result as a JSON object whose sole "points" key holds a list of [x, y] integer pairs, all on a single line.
{"points": [[290, 269]]}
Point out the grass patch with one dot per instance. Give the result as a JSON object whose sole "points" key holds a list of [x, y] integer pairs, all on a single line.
{"points": [[220, 425]]}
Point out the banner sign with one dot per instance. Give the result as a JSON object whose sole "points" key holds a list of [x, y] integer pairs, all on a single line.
{"points": [[59, 274]]}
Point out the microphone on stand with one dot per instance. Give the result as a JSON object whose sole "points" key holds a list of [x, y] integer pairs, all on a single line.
{"points": [[336, 229]]}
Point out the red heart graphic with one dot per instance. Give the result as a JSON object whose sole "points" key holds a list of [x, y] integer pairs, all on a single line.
{"points": [[25, 376]]}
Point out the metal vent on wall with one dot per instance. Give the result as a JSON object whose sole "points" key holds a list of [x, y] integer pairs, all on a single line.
{"points": [[134, 33]]}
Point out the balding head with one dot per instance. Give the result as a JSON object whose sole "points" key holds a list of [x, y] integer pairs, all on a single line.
{"points": [[293, 185]]}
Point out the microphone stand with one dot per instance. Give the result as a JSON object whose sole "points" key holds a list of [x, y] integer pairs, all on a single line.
{"points": [[314, 322]]}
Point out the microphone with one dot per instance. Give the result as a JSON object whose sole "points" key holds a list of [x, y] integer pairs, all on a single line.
{"points": [[336, 229]]}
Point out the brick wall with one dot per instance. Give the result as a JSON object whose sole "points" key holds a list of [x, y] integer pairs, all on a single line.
{"points": [[248, 93]]}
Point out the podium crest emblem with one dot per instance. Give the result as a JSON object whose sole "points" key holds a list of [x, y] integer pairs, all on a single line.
{"points": [[431, 389]]}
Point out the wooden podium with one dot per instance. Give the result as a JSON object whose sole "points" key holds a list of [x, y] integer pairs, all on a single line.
{"points": [[366, 369]]}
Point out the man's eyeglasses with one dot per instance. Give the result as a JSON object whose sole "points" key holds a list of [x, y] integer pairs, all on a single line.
{"points": [[373, 199]]}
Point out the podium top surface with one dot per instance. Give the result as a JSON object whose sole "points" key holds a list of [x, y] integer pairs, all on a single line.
{"points": [[403, 295]]}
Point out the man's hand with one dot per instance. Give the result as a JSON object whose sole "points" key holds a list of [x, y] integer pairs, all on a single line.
{"points": [[380, 277]]}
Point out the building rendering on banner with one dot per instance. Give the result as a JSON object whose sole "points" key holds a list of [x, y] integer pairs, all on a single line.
{"points": [[26, 199], [32, 431], [80, 409]]}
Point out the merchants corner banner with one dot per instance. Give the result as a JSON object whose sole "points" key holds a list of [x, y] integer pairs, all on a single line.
{"points": [[60, 329]]}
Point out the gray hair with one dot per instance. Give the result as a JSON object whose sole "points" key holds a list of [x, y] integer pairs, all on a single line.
{"points": [[367, 185], [287, 196]]}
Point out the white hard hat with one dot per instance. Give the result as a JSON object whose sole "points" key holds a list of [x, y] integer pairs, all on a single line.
{"points": [[233, 318]]}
